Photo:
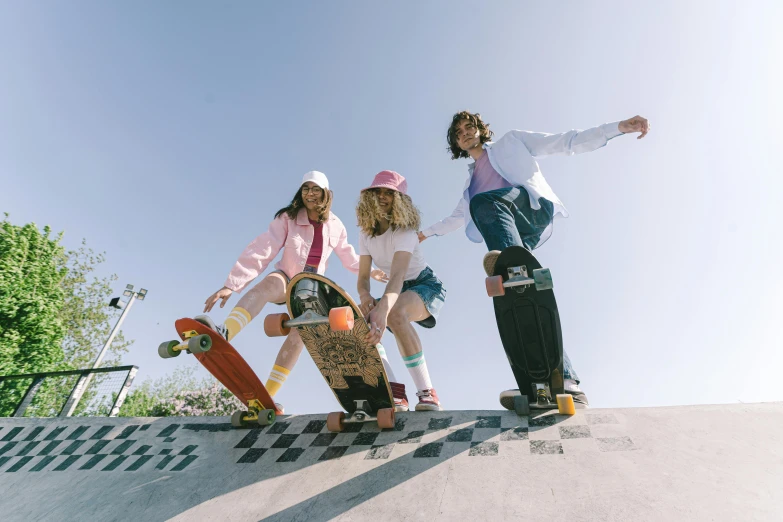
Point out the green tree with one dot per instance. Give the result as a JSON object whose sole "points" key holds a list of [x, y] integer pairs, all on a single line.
{"points": [[54, 315], [32, 269], [86, 313]]}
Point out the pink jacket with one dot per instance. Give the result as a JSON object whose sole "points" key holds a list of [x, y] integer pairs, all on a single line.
{"points": [[295, 237]]}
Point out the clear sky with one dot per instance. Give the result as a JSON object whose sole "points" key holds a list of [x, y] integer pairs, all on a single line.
{"points": [[168, 134]]}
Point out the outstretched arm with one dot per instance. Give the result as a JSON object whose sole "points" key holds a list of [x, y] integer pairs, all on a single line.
{"points": [[257, 255], [446, 225], [253, 260], [541, 144]]}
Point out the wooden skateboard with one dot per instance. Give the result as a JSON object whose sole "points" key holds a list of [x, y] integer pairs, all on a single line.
{"points": [[224, 362], [529, 327], [333, 329]]}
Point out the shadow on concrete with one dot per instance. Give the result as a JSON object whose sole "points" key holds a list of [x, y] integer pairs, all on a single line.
{"points": [[361, 488], [191, 480]]}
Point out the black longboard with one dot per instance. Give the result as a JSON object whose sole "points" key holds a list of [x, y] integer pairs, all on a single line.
{"points": [[529, 327]]}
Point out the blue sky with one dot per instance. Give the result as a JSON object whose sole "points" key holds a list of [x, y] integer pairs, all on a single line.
{"points": [[168, 134]]}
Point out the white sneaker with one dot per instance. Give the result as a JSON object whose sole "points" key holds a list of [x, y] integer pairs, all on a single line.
{"points": [[219, 328], [573, 389], [428, 401]]}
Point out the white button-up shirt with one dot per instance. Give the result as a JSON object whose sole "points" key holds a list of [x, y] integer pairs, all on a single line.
{"points": [[513, 157]]}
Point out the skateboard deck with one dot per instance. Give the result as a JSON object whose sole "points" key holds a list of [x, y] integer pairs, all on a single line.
{"points": [[351, 367], [529, 327], [227, 366]]}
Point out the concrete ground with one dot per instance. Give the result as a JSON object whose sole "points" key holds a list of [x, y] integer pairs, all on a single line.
{"points": [[679, 463]]}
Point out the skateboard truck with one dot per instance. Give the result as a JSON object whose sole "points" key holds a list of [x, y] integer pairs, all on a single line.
{"points": [[194, 343], [360, 413], [255, 414], [385, 417], [543, 395], [518, 280], [340, 319]]}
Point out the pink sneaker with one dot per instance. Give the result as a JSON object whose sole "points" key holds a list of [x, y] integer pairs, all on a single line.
{"points": [[400, 399], [428, 400]]}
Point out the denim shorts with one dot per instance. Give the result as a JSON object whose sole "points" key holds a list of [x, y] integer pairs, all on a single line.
{"points": [[430, 289]]}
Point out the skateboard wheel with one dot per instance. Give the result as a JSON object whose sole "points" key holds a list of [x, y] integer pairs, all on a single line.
{"points": [[238, 419], [266, 417], [167, 351], [386, 418], [495, 286], [341, 319], [543, 279], [521, 405], [274, 325], [199, 344], [334, 421], [565, 404]]}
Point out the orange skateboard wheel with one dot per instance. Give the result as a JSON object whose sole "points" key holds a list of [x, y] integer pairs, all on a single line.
{"points": [[495, 286], [341, 319], [386, 418], [334, 421], [273, 325]]}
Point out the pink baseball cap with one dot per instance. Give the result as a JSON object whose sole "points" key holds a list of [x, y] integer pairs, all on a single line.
{"points": [[390, 180]]}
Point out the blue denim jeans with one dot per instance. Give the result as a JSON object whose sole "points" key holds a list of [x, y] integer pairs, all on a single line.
{"points": [[504, 218]]}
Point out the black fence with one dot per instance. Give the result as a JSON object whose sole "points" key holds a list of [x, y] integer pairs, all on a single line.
{"points": [[87, 392]]}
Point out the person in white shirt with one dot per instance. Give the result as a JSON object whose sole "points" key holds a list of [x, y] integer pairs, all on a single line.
{"points": [[389, 222], [506, 201]]}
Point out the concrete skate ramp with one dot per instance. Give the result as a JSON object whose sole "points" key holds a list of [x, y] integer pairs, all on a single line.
{"points": [[681, 463]]}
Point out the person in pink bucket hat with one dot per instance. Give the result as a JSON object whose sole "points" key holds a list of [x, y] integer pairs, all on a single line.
{"points": [[307, 232], [389, 223]]}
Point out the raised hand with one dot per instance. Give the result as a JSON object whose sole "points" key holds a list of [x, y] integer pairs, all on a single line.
{"points": [[635, 124], [224, 293]]}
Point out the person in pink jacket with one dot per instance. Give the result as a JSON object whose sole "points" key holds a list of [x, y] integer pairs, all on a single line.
{"points": [[307, 232]]}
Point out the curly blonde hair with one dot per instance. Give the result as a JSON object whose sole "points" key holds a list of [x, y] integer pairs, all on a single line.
{"points": [[404, 214]]}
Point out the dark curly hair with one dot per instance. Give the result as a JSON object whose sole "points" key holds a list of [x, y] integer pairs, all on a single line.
{"points": [[451, 137], [297, 203]]}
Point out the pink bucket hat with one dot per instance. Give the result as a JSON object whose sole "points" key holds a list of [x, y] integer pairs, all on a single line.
{"points": [[390, 180]]}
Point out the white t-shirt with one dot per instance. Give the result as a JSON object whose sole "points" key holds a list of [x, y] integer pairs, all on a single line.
{"points": [[383, 247]]}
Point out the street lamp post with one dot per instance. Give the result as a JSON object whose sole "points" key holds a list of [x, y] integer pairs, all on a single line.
{"points": [[84, 380]]}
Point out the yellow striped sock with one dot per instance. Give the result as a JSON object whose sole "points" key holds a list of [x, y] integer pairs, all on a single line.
{"points": [[277, 377], [237, 319]]}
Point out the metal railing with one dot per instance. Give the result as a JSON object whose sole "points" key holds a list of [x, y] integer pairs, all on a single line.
{"points": [[47, 390]]}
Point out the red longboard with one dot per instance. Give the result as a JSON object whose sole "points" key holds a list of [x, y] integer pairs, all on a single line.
{"points": [[224, 362]]}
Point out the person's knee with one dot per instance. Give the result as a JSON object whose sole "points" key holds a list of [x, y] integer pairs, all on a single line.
{"points": [[397, 318], [270, 286]]}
